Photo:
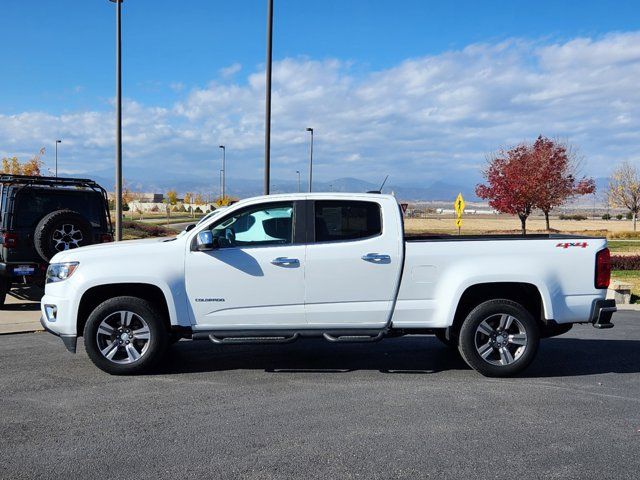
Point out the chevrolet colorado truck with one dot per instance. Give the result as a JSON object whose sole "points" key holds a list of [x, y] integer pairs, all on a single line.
{"points": [[279, 268]]}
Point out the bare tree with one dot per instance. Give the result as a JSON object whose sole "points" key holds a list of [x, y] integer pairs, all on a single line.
{"points": [[624, 190]]}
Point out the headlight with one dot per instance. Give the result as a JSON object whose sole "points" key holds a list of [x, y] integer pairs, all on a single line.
{"points": [[58, 272]]}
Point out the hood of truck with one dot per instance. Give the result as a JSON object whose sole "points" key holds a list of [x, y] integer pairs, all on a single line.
{"points": [[111, 249]]}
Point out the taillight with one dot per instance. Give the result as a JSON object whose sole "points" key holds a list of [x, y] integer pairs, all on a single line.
{"points": [[603, 268], [106, 238], [10, 240]]}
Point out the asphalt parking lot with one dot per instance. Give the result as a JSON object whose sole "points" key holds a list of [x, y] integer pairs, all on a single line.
{"points": [[401, 408]]}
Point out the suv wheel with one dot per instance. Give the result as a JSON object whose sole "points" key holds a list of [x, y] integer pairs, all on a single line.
{"points": [[499, 338], [125, 335], [59, 231]]}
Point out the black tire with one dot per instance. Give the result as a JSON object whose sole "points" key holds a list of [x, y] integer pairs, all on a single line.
{"points": [[511, 352], [59, 231], [451, 342], [110, 312]]}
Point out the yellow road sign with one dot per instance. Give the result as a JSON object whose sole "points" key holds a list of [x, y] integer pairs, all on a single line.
{"points": [[459, 205], [459, 222]]}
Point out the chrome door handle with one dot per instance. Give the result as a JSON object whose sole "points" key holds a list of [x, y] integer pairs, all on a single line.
{"points": [[376, 258], [286, 262]]}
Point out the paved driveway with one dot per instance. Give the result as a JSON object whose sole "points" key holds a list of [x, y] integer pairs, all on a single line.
{"points": [[402, 408], [21, 312]]}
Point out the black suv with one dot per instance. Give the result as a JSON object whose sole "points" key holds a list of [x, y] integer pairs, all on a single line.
{"points": [[41, 216]]}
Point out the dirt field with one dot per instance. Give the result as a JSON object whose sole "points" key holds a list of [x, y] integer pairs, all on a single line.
{"points": [[477, 224]]}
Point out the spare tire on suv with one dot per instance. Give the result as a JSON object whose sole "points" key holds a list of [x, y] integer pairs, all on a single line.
{"points": [[59, 231]]}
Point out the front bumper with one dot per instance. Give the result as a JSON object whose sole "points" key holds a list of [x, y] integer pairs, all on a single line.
{"points": [[70, 341], [601, 313]]}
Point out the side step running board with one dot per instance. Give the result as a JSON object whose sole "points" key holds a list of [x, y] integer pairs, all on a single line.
{"points": [[238, 337], [354, 338], [252, 340]]}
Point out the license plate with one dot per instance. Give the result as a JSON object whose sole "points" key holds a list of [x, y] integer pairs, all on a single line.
{"points": [[24, 270]]}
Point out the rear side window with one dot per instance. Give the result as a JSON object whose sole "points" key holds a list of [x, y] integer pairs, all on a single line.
{"points": [[346, 220]]}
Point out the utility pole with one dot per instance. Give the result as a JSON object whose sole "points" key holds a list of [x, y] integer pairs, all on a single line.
{"points": [[298, 172], [57, 142], [118, 189], [309, 129], [224, 170], [267, 113]]}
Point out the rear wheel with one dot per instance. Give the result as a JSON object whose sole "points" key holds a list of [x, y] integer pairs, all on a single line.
{"points": [[499, 338], [125, 335]]}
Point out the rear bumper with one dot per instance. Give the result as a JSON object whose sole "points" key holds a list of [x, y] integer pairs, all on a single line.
{"points": [[601, 312], [70, 341]]}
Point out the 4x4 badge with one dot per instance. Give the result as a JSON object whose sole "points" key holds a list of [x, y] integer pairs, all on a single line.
{"points": [[572, 244]]}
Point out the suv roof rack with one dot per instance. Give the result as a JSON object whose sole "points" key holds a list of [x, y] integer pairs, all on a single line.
{"points": [[48, 181]]}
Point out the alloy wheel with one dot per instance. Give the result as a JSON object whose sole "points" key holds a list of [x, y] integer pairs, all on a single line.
{"points": [[500, 339], [123, 337]]}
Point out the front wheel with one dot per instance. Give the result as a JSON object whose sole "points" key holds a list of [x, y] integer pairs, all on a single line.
{"points": [[499, 338], [125, 335]]}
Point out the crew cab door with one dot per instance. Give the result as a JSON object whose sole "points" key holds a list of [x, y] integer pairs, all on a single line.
{"points": [[255, 276], [353, 264]]}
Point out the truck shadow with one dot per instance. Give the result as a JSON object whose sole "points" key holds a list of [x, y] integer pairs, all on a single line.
{"points": [[422, 355]]}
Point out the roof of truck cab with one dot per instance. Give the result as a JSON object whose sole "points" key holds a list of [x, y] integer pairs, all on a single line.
{"points": [[315, 196]]}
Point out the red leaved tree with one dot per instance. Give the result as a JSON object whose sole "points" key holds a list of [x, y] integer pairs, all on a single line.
{"points": [[558, 165], [512, 183], [527, 176]]}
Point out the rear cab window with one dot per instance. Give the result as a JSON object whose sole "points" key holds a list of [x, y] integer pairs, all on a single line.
{"points": [[346, 220]]}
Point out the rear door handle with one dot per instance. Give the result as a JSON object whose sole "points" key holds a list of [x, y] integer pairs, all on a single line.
{"points": [[376, 258], [286, 262]]}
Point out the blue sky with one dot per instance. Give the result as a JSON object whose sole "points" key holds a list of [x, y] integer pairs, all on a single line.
{"points": [[192, 73]]}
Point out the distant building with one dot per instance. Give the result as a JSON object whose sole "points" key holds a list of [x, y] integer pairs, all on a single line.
{"points": [[150, 197]]}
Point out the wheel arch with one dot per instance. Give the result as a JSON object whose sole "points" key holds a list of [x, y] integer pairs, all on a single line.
{"points": [[524, 293], [95, 295]]}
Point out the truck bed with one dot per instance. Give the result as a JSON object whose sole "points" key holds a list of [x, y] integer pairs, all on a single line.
{"points": [[409, 237]]}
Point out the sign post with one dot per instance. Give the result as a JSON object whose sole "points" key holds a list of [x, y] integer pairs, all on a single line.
{"points": [[459, 208]]}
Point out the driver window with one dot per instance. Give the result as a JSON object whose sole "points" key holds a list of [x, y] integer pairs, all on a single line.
{"points": [[256, 226]]}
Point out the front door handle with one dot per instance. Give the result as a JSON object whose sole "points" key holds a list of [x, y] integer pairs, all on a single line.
{"points": [[376, 258], [286, 262]]}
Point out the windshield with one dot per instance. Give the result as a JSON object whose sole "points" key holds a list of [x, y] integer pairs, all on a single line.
{"points": [[207, 217]]}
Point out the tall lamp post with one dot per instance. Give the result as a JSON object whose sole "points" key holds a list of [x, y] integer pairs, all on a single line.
{"points": [[298, 172], [309, 129], [267, 108], [118, 189], [57, 142], [224, 169]]}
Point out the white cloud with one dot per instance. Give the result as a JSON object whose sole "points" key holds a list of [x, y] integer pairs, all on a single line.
{"points": [[426, 118], [230, 71]]}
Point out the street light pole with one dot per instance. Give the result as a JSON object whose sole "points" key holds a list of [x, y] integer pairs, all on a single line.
{"points": [[224, 169], [267, 113], [310, 159], [298, 172], [57, 142], [220, 187], [118, 186]]}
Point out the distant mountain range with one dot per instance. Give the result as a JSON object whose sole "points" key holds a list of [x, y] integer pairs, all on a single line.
{"points": [[430, 191]]}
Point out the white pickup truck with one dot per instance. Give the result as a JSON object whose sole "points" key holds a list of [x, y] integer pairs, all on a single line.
{"points": [[278, 268]]}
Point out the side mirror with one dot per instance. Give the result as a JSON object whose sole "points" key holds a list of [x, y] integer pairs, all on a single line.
{"points": [[204, 241]]}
